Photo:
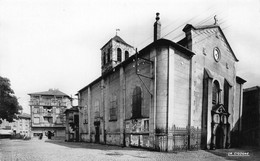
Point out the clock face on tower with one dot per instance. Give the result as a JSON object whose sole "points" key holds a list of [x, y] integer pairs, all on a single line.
{"points": [[216, 54]]}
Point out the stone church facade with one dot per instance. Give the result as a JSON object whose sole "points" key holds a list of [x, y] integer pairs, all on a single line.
{"points": [[168, 96]]}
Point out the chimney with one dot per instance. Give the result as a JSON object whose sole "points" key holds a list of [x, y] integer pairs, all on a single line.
{"points": [[157, 27]]}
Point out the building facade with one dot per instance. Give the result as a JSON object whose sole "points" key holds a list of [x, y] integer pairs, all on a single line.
{"points": [[250, 117], [72, 124], [47, 113], [169, 96], [20, 126]]}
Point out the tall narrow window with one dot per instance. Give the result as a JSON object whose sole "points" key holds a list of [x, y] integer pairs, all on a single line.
{"points": [[104, 58], [126, 55], [226, 94], [119, 54], [215, 93], [85, 114], [36, 109], [58, 120], [113, 109], [108, 55], [36, 120], [57, 110], [96, 105], [137, 103]]}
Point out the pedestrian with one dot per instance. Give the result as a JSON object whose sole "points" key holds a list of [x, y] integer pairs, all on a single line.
{"points": [[40, 136]]}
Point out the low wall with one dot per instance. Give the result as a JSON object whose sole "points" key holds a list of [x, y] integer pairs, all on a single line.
{"points": [[84, 137], [113, 138]]}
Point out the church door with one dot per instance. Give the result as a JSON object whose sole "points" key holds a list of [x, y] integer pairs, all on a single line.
{"points": [[97, 135], [219, 137], [219, 127]]}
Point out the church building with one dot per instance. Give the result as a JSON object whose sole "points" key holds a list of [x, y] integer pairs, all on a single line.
{"points": [[168, 96]]}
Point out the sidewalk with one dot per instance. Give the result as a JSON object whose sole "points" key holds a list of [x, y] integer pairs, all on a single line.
{"points": [[240, 154]]}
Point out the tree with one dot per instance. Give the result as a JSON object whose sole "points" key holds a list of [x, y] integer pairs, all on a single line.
{"points": [[9, 106]]}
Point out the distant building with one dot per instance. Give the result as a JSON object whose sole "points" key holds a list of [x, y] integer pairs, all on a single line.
{"points": [[47, 113], [72, 124], [21, 126], [251, 117], [169, 96]]}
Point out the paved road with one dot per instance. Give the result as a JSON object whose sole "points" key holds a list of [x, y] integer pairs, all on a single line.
{"points": [[40, 150]]}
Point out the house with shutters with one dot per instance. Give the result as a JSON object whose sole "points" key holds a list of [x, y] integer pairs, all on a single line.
{"points": [[47, 113]]}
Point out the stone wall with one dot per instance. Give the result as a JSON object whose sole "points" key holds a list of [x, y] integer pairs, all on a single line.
{"points": [[203, 43], [172, 99]]}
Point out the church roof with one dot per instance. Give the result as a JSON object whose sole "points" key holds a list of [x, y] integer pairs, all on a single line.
{"points": [[157, 43], [117, 39], [163, 42], [50, 92], [189, 26]]}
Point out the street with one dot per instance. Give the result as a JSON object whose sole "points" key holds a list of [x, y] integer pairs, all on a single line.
{"points": [[50, 150]]}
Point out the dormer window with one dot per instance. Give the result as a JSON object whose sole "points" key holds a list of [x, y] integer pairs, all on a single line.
{"points": [[126, 55], [119, 54]]}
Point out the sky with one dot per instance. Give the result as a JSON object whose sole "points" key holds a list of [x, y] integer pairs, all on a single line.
{"points": [[56, 43]]}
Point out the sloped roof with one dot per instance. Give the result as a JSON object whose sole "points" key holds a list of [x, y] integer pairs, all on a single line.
{"points": [[160, 42], [219, 108], [163, 42], [117, 39], [251, 89], [50, 92], [24, 115], [189, 26], [240, 80], [72, 109]]}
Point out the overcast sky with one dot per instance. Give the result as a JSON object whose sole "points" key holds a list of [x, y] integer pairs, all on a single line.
{"points": [[56, 43]]}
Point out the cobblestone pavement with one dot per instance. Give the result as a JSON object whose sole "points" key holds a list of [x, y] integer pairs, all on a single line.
{"points": [[40, 150]]}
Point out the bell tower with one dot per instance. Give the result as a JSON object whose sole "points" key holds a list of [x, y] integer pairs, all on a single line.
{"points": [[115, 51]]}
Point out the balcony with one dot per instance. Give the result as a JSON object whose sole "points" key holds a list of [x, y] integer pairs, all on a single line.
{"points": [[34, 102], [47, 114], [47, 103]]}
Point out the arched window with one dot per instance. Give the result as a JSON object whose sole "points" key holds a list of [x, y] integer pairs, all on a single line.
{"points": [[137, 103], [215, 93], [119, 54], [126, 54], [226, 94]]}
